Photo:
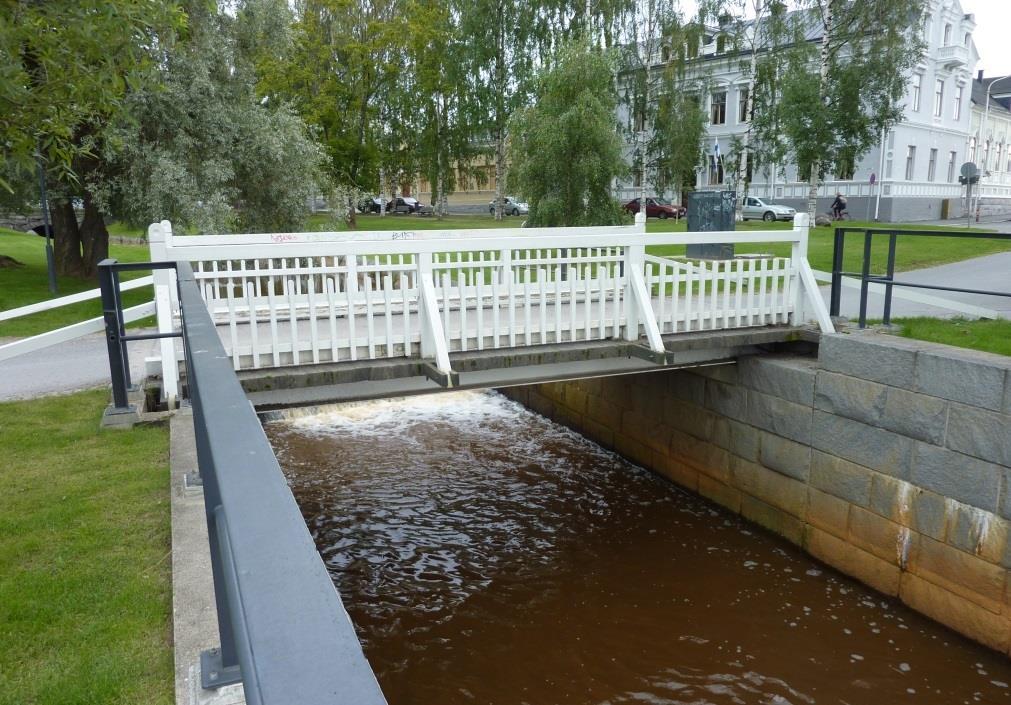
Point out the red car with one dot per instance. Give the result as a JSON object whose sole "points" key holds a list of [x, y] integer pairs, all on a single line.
{"points": [[657, 208]]}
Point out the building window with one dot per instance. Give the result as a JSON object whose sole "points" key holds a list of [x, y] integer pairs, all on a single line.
{"points": [[958, 103], [917, 84], [715, 170], [968, 38], [938, 97], [952, 158], [996, 159], [926, 28], [910, 162], [742, 108], [972, 149], [947, 35], [718, 111], [986, 154], [932, 165]]}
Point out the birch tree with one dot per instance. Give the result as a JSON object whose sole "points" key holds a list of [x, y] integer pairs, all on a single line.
{"points": [[833, 115]]}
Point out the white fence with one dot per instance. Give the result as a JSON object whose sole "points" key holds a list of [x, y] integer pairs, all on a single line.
{"points": [[307, 298]]}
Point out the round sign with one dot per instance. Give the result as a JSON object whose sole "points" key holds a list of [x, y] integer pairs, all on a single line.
{"points": [[969, 170]]}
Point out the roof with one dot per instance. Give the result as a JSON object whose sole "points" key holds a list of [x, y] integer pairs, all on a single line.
{"points": [[979, 94]]}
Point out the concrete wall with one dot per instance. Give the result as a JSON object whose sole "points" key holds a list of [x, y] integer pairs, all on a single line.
{"points": [[885, 458]]}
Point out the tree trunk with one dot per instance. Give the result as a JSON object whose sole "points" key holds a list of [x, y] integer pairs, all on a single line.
{"points": [[499, 174], [499, 112], [826, 39], [742, 164], [352, 220], [94, 237], [66, 239]]}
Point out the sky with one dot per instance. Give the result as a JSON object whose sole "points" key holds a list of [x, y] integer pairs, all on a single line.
{"points": [[993, 28]]}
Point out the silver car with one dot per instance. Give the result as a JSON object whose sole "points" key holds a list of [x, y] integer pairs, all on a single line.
{"points": [[757, 209], [510, 206]]}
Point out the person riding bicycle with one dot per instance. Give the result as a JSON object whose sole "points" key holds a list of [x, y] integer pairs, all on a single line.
{"points": [[838, 206]]}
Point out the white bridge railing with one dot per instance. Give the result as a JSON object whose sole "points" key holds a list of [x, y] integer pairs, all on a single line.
{"points": [[309, 298]]}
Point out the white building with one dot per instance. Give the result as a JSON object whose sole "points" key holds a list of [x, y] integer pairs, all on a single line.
{"points": [[988, 143], [913, 174]]}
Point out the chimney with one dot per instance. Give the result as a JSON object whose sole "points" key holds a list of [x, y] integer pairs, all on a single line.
{"points": [[979, 76]]}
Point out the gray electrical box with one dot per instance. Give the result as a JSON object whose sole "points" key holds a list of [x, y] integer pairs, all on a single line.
{"points": [[710, 211]]}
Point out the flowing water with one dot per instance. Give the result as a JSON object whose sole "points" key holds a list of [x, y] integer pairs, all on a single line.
{"points": [[487, 555]]}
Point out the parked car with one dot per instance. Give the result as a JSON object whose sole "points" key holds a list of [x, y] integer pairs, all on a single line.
{"points": [[403, 204], [657, 208], [756, 208], [510, 206], [370, 204]]}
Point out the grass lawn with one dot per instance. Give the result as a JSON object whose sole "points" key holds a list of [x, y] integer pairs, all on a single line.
{"points": [[989, 336], [25, 285], [85, 579]]}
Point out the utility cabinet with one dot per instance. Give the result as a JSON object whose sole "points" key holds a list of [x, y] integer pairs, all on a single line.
{"points": [[710, 211]]}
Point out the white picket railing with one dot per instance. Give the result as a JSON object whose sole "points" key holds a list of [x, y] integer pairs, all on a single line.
{"points": [[307, 298]]}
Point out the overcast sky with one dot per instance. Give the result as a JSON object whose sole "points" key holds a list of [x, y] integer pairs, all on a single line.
{"points": [[992, 35]]}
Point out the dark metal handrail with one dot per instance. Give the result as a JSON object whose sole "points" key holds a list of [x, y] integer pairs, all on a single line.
{"points": [[283, 628], [888, 279]]}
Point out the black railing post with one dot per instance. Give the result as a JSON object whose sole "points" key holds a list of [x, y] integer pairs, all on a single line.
{"points": [[113, 315], [865, 272], [891, 276], [837, 268]]}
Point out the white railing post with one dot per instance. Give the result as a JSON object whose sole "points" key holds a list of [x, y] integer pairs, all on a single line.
{"points": [[159, 236], [803, 276], [433, 337], [638, 306]]}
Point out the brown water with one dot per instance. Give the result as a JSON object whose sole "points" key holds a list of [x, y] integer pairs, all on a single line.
{"points": [[487, 555]]}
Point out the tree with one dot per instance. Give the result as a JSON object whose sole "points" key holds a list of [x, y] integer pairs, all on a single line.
{"points": [[662, 84], [346, 71], [760, 29], [833, 116], [65, 72], [565, 149], [201, 149]]}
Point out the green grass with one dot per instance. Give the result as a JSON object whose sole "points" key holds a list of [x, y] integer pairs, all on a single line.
{"points": [[989, 336], [29, 284], [85, 582]]}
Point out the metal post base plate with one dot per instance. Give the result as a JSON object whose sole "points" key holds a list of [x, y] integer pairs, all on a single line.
{"points": [[124, 418], [213, 675]]}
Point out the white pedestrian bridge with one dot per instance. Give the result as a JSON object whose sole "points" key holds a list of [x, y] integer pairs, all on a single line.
{"points": [[324, 316]]}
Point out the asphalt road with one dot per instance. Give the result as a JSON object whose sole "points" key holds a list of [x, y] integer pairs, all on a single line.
{"points": [[69, 367]]}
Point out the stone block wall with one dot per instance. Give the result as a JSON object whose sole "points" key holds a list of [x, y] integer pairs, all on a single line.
{"points": [[886, 458]]}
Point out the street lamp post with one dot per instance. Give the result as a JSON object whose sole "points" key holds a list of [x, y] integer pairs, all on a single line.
{"points": [[982, 136]]}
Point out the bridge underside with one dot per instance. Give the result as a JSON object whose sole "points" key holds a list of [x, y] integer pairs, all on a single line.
{"points": [[312, 385]]}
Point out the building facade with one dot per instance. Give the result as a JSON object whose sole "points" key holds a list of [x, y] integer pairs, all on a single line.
{"points": [[912, 174]]}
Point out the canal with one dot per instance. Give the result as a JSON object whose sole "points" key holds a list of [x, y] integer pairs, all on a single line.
{"points": [[488, 555]]}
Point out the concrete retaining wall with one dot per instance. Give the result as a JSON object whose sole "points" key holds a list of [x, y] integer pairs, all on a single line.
{"points": [[885, 458]]}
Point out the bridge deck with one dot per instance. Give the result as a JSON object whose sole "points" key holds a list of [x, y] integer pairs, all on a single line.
{"points": [[313, 385]]}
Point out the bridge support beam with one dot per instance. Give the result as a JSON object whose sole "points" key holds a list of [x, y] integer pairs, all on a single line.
{"points": [[638, 307], [433, 337]]}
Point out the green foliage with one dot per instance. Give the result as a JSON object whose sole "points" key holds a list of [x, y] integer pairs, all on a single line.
{"points": [[565, 149], [202, 150], [65, 69]]}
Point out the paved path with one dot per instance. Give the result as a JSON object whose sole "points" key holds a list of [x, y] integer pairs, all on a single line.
{"points": [[69, 367], [989, 273]]}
